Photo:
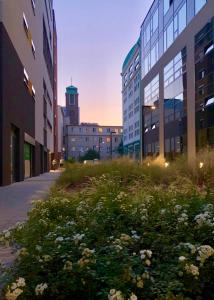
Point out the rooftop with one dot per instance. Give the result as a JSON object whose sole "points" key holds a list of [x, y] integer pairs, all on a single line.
{"points": [[131, 54], [71, 90]]}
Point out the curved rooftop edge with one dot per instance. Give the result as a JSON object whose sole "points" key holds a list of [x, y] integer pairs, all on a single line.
{"points": [[130, 54], [71, 90]]}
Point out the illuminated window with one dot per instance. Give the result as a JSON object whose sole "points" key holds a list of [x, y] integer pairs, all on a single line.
{"points": [[100, 130]]}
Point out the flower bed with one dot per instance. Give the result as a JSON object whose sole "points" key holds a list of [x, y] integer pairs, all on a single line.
{"points": [[122, 237]]}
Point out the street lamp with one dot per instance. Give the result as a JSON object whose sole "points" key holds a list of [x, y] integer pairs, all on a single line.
{"points": [[111, 136]]}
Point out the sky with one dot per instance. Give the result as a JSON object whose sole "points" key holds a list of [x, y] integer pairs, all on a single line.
{"points": [[94, 37]]}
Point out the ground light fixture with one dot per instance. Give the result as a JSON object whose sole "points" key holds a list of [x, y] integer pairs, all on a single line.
{"points": [[201, 165], [166, 164]]}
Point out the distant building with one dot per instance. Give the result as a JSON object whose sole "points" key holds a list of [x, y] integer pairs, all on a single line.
{"points": [[71, 111], [26, 89], [131, 76], [104, 139]]}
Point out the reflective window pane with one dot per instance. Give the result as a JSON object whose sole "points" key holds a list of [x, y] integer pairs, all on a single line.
{"points": [[199, 4]]}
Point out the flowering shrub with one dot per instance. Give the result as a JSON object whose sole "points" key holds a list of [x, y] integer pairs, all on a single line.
{"points": [[120, 238]]}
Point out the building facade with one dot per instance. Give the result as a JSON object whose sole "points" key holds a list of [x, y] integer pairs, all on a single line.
{"points": [[131, 77], [26, 88], [103, 139], [177, 72]]}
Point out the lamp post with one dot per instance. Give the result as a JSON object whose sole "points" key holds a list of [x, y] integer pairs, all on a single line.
{"points": [[111, 146]]}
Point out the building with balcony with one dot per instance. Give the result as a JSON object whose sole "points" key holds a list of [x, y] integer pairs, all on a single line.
{"points": [[177, 77], [131, 77], [26, 88], [86, 136]]}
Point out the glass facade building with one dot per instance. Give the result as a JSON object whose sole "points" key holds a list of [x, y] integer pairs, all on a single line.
{"points": [[177, 77]]}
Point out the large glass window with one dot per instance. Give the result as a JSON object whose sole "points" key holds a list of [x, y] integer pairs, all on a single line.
{"points": [[166, 6], [155, 21], [147, 34], [199, 4], [154, 54], [168, 36], [180, 20], [151, 91], [175, 68]]}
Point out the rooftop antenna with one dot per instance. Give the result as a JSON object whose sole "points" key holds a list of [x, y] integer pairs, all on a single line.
{"points": [[71, 81]]}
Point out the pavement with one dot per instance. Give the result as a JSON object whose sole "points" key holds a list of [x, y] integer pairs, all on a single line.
{"points": [[15, 199], [15, 202]]}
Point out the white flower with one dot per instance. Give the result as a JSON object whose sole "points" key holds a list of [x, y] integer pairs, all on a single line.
{"points": [[204, 252], [192, 269], [59, 239], [182, 258], [133, 297], [21, 282], [13, 295], [115, 295], [40, 288], [68, 266]]}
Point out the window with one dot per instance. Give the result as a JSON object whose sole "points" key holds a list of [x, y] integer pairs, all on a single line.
{"points": [[209, 48], [155, 21], [154, 54], [175, 68], [147, 34], [137, 58], [33, 6], [28, 34], [209, 101], [180, 20], [199, 4], [29, 84], [147, 64], [167, 4], [201, 74], [151, 91], [100, 130], [71, 100], [168, 36]]}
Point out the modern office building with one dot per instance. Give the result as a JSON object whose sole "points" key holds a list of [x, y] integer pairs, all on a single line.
{"points": [[177, 67], [26, 88], [103, 139], [131, 77]]}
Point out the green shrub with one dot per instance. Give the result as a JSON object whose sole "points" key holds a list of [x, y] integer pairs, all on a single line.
{"points": [[135, 232]]}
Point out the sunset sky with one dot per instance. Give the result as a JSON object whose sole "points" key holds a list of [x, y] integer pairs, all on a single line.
{"points": [[94, 36]]}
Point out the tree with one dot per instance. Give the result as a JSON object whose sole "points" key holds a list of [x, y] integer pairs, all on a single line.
{"points": [[90, 155]]}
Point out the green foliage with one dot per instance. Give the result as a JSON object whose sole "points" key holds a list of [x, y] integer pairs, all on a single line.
{"points": [[90, 155], [135, 232], [71, 160]]}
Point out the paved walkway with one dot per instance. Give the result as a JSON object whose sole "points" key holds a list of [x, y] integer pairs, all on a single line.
{"points": [[15, 199], [15, 202]]}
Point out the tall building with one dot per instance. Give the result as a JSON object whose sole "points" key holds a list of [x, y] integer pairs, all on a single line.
{"points": [[177, 63], [26, 88], [55, 93], [86, 136], [72, 105], [131, 77]]}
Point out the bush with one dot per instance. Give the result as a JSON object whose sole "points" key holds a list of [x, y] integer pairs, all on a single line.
{"points": [[136, 232]]}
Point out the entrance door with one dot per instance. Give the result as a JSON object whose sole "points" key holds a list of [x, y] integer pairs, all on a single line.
{"points": [[14, 154], [28, 160]]}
